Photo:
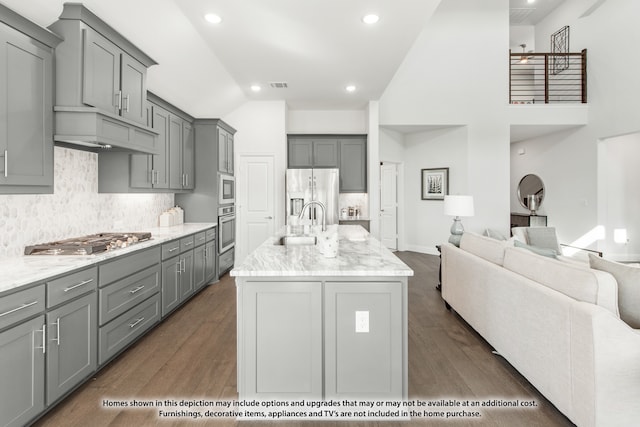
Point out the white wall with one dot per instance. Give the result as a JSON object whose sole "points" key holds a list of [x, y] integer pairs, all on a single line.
{"points": [[456, 74], [327, 121], [75, 208]]}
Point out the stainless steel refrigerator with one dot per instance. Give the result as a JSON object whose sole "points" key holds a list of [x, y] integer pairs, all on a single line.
{"points": [[305, 185]]}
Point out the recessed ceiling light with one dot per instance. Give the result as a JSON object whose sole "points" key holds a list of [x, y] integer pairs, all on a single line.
{"points": [[531, 1], [213, 18], [350, 88], [370, 19], [256, 88]]}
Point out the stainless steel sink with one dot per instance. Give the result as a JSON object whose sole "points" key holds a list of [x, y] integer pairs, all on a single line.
{"points": [[296, 240]]}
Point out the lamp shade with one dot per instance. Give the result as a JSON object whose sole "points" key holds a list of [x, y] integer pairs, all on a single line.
{"points": [[458, 205]]}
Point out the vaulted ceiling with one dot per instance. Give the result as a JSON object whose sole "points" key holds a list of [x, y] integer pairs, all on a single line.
{"points": [[315, 47]]}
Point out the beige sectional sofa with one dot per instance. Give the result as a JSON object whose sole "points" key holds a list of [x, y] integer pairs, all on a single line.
{"points": [[555, 321]]}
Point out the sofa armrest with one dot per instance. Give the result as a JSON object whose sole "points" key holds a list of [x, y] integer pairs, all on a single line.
{"points": [[606, 367]]}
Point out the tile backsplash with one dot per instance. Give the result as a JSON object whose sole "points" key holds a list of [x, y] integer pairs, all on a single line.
{"points": [[75, 208]]}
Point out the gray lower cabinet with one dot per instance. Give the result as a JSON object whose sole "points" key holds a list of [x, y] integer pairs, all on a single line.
{"points": [[322, 338], [210, 264], [129, 300], [26, 107], [366, 362], [22, 361], [281, 333], [72, 345], [182, 271]]}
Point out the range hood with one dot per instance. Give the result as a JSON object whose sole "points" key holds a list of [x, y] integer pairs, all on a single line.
{"points": [[91, 129]]}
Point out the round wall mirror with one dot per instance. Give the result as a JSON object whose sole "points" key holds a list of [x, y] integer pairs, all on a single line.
{"points": [[531, 192]]}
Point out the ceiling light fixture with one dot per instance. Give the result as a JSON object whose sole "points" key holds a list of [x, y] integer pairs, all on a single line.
{"points": [[370, 19], [531, 1], [350, 88], [256, 88], [524, 59], [213, 18]]}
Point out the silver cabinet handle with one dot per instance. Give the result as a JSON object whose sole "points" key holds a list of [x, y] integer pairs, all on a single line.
{"points": [[6, 163], [44, 339], [136, 290], [23, 306], [179, 267], [119, 100], [57, 338], [188, 243], [133, 325], [126, 103], [183, 263], [70, 288], [173, 249]]}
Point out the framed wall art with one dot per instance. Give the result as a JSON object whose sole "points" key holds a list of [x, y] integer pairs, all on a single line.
{"points": [[435, 183]]}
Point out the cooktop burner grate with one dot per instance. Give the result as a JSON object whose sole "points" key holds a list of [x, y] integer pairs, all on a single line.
{"points": [[87, 245]]}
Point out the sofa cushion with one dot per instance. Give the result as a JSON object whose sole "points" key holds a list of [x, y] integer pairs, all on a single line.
{"points": [[583, 284], [486, 248], [628, 278], [536, 250], [543, 237], [494, 234]]}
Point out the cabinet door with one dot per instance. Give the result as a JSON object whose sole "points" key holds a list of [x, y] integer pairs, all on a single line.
{"points": [[134, 89], [210, 261], [187, 277], [26, 110], [72, 344], [171, 272], [101, 73], [325, 153], [300, 153], [222, 151], [230, 161], [363, 322], [281, 339], [22, 372], [188, 156], [353, 166], [175, 152], [199, 267]]}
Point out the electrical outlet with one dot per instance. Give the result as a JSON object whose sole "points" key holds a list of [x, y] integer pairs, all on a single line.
{"points": [[362, 322]]}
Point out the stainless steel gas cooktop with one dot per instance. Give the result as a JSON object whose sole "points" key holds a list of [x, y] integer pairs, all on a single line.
{"points": [[87, 245]]}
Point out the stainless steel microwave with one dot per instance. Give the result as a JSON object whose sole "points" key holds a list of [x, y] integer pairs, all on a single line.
{"points": [[226, 189]]}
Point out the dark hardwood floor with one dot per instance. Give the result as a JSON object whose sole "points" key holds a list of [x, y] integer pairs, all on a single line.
{"points": [[192, 355]]}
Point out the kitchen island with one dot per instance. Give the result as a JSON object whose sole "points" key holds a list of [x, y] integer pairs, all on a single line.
{"points": [[312, 327]]}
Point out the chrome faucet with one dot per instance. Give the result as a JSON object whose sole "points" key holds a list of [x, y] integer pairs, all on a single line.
{"points": [[324, 215]]}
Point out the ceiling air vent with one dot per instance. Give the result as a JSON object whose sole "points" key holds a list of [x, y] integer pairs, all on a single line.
{"points": [[279, 85]]}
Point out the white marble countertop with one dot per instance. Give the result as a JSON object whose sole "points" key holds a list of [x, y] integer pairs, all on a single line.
{"points": [[27, 269], [359, 254]]}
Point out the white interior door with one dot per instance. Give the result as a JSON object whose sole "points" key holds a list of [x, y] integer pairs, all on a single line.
{"points": [[389, 205], [255, 203]]}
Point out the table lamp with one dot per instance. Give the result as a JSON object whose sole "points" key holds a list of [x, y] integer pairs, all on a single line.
{"points": [[457, 206]]}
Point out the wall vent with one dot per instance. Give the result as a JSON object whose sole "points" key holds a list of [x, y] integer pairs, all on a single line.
{"points": [[279, 85]]}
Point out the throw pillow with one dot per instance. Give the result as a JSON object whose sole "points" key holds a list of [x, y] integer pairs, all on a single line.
{"points": [[536, 250], [543, 237], [628, 278], [494, 234]]}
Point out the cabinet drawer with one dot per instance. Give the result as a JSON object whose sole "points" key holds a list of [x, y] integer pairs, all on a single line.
{"points": [[122, 295], [118, 334], [126, 265], [170, 249], [225, 261], [187, 243], [211, 234], [21, 305], [200, 238], [72, 285]]}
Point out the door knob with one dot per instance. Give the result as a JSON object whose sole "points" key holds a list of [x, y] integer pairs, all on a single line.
{"points": [[268, 217]]}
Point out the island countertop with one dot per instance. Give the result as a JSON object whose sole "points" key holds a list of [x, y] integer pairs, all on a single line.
{"points": [[359, 254]]}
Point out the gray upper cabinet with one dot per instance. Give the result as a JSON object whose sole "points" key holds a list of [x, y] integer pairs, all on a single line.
{"points": [[313, 152], [188, 156], [325, 153], [100, 85], [225, 151], [300, 153], [353, 165], [26, 105]]}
